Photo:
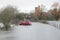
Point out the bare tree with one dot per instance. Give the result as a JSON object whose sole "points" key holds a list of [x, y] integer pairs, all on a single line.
{"points": [[55, 5], [55, 10], [7, 14]]}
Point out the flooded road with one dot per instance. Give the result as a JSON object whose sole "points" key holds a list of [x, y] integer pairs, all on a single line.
{"points": [[37, 31]]}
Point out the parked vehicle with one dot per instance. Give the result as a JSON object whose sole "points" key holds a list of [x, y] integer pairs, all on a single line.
{"points": [[25, 23]]}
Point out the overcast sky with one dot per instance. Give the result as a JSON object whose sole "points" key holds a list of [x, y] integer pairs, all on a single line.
{"points": [[26, 5]]}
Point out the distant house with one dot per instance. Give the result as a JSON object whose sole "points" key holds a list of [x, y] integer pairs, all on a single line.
{"points": [[37, 11]]}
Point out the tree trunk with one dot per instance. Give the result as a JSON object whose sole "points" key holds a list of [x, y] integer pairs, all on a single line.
{"points": [[6, 27]]}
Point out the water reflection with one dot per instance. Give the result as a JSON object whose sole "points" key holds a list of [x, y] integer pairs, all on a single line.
{"points": [[37, 31]]}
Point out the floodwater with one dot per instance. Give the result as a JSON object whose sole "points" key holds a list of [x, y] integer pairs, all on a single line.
{"points": [[36, 31]]}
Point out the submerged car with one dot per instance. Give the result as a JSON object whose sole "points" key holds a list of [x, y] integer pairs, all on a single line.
{"points": [[25, 23]]}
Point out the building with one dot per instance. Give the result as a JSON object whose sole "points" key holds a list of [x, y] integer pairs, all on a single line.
{"points": [[37, 11]]}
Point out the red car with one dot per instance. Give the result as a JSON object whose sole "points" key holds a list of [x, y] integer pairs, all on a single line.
{"points": [[24, 23]]}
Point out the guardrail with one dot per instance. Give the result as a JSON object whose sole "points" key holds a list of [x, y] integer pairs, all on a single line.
{"points": [[55, 24]]}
